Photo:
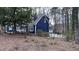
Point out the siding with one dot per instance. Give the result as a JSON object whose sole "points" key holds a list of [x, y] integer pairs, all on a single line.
{"points": [[43, 26]]}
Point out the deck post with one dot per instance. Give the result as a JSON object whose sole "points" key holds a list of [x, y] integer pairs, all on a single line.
{"points": [[35, 29]]}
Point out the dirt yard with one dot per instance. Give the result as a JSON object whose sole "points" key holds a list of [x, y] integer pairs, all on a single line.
{"points": [[35, 43]]}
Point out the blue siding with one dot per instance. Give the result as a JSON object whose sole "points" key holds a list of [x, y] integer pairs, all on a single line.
{"points": [[43, 26]]}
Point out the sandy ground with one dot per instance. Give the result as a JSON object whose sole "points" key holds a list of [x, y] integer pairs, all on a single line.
{"points": [[34, 43]]}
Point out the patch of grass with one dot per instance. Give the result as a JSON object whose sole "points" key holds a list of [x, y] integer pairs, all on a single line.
{"points": [[30, 34], [42, 33], [69, 35]]}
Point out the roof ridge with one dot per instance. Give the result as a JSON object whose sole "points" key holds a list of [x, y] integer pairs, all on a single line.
{"points": [[38, 18]]}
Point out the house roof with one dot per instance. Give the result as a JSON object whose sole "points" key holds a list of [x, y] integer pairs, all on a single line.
{"points": [[38, 18]]}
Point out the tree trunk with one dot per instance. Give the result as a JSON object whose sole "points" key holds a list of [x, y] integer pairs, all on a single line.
{"points": [[26, 33], [76, 26], [67, 27], [55, 23], [14, 19], [14, 27], [67, 24]]}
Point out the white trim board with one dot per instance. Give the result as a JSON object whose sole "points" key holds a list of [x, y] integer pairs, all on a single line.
{"points": [[38, 18]]}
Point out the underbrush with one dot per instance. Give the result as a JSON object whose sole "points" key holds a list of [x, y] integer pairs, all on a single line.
{"points": [[42, 33], [69, 35]]}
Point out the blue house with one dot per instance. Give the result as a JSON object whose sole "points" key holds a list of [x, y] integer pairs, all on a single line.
{"points": [[41, 22]]}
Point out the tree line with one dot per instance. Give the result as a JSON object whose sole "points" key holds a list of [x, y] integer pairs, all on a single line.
{"points": [[70, 22], [15, 15]]}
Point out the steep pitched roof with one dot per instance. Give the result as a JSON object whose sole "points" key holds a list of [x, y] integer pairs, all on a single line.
{"points": [[38, 18]]}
